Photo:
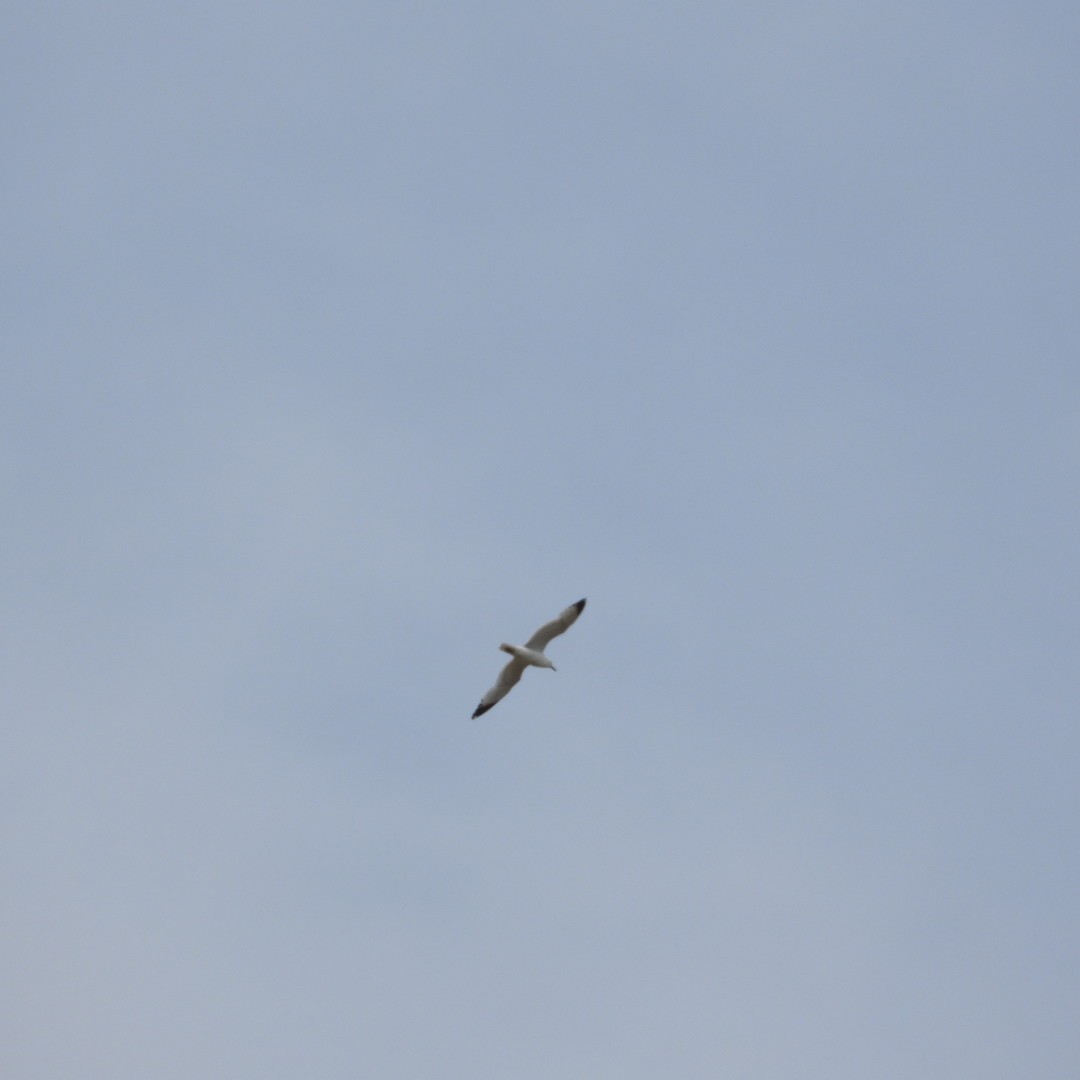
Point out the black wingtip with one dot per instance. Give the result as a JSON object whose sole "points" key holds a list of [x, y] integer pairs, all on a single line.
{"points": [[580, 605], [480, 710]]}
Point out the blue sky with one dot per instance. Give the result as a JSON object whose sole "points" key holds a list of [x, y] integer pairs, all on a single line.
{"points": [[344, 342]]}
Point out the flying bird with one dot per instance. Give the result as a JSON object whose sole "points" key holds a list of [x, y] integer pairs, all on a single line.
{"points": [[531, 654]]}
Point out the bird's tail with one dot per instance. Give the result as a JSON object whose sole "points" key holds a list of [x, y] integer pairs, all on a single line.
{"points": [[507, 648]]}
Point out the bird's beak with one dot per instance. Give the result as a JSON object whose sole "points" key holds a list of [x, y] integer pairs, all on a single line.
{"points": [[554, 668]]}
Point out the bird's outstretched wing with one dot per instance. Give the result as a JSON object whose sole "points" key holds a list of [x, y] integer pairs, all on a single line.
{"points": [[507, 680], [556, 627]]}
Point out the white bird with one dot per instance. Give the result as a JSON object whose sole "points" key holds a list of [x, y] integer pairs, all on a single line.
{"points": [[531, 654]]}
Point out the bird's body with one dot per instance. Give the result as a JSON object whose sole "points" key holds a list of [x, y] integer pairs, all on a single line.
{"points": [[529, 657], [531, 654]]}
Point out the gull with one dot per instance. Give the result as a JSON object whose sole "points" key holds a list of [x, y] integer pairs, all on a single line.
{"points": [[531, 654]]}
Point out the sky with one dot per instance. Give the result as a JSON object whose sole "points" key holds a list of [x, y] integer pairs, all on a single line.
{"points": [[343, 342]]}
